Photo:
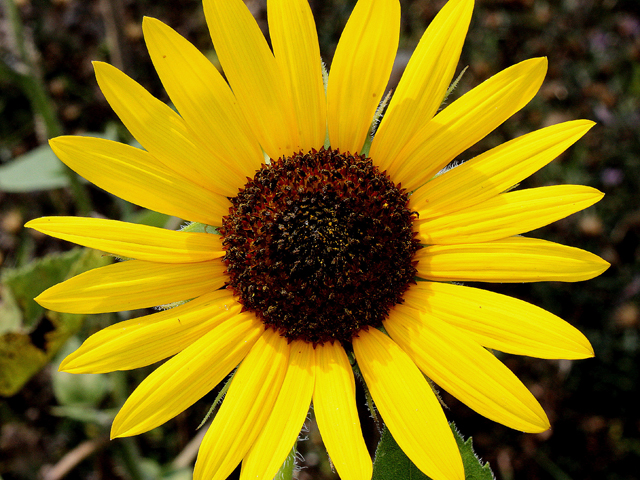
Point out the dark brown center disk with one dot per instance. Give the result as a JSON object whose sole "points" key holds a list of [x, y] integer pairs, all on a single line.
{"points": [[320, 245]]}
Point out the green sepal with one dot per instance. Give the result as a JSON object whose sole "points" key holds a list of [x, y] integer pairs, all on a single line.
{"points": [[391, 463], [288, 466], [196, 227], [218, 400], [454, 85]]}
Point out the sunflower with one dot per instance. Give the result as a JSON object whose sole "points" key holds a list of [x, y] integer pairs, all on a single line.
{"points": [[315, 245]]}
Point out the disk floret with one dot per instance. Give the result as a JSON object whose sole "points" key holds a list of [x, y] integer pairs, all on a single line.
{"points": [[320, 245]]}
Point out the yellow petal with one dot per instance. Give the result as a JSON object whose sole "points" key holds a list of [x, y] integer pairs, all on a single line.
{"points": [[514, 259], [145, 340], [133, 284], [286, 418], [424, 81], [466, 370], [295, 46], [136, 176], [245, 409], [337, 415], [495, 171], [500, 322], [132, 241], [408, 406], [184, 379], [206, 103], [360, 71], [511, 213], [254, 75], [466, 121], [163, 133]]}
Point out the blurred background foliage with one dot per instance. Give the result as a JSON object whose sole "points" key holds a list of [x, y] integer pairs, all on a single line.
{"points": [[56, 425]]}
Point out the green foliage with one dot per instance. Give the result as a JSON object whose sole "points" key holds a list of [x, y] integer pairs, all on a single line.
{"points": [[38, 169], [594, 73], [77, 389], [391, 463], [30, 335], [473, 467]]}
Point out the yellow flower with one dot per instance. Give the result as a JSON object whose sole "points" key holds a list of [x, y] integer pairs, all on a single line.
{"points": [[320, 248]]}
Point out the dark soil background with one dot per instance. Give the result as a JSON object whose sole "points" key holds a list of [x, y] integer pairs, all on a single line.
{"points": [[593, 48]]}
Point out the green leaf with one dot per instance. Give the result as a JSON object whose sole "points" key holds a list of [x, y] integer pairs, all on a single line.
{"points": [[181, 474], [391, 463], [29, 334], [77, 390], [38, 169], [474, 469], [85, 414]]}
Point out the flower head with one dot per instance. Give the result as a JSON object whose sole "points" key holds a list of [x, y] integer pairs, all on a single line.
{"points": [[328, 252]]}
